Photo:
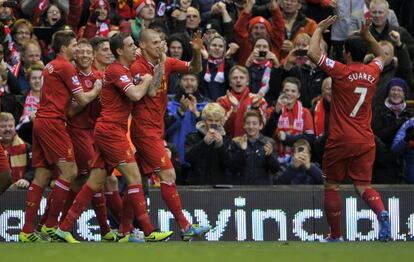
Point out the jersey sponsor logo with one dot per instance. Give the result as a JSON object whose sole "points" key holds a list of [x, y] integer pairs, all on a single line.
{"points": [[75, 80], [330, 63], [124, 79]]}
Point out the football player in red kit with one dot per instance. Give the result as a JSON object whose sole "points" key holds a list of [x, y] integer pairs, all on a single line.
{"points": [[112, 147], [350, 147], [51, 142], [147, 128]]}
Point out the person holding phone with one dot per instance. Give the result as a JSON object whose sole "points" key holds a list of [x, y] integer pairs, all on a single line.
{"points": [[206, 149], [264, 72], [300, 170]]}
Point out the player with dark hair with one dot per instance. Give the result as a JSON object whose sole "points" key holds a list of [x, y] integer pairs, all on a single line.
{"points": [[147, 128], [112, 147], [52, 145], [350, 147]]}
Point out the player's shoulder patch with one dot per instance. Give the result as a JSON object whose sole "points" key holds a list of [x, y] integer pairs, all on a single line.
{"points": [[75, 80], [124, 79], [329, 62]]}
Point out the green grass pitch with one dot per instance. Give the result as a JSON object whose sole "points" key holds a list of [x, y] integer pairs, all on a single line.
{"points": [[209, 251]]}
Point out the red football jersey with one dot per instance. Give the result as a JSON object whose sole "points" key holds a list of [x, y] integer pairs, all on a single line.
{"points": [[149, 111], [87, 117], [116, 106], [353, 87], [60, 81]]}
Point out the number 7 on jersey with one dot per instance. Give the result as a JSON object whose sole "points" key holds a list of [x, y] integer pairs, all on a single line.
{"points": [[363, 93]]}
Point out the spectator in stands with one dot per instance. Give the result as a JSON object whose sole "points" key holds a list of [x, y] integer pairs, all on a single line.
{"points": [[30, 54], [295, 22], [32, 102], [178, 48], [222, 25], [381, 29], [320, 114], [21, 32], [396, 64], [264, 73], [184, 112], [216, 69], [253, 155], [403, 146], [9, 95], [98, 23], [238, 100], [187, 22], [11, 53], [144, 14], [12, 81], [17, 150], [297, 64], [300, 170], [206, 149], [289, 121], [248, 28], [387, 120]]}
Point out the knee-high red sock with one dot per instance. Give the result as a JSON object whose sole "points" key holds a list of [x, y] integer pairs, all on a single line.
{"points": [[333, 207], [59, 194], [33, 198], [45, 214], [135, 197], [114, 203], [373, 200], [172, 199], [127, 216], [69, 201], [99, 205], [82, 200]]}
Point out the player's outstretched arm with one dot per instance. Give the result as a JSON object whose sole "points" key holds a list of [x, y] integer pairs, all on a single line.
{"points": [[195, 64], [375, 47], [136, 92], [84, 98], [314, 51]]}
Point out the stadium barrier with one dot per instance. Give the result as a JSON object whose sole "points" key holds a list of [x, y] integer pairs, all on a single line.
{"points": [[262, 213]]}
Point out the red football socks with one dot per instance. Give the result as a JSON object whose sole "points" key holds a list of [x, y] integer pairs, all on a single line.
{"points": [[69, 201], [373, 200], [127, 216], [135, 197], [114, 203], [82, 200], [172, 199], [59, 194], [99, 205], [333, 207], [33, 198]]}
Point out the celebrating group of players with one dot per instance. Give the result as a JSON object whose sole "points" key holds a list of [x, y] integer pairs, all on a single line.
{"points": [[69, 133]]}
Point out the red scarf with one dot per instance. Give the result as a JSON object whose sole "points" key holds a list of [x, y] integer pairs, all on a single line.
{"points": [[16, 153], [264, 86], [219, 78], [38, 11], [319, 119], [289, 128], [14, 55]]}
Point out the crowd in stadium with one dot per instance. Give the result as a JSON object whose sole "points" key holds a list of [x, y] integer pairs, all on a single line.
{"points": [[245, 105]]}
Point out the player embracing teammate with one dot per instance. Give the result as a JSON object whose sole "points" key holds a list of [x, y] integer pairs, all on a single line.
{"points": [[350, 147]]}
